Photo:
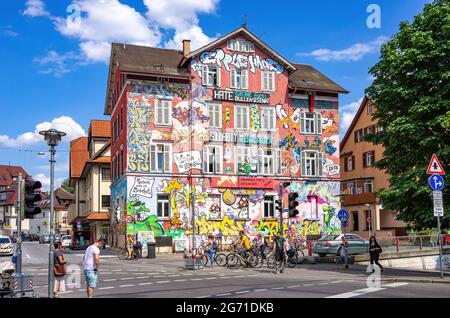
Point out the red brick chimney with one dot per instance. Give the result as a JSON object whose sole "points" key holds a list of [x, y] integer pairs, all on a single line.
{"points": [[186, 47]]}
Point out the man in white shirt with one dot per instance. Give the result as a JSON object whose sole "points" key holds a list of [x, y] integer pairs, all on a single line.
{"points": [[91, 263]]}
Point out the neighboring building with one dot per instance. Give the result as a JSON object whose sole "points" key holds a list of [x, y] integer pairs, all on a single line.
{"points": [[360, 179], [40, 224], [90, 177], [227, 123], [8, 200]]}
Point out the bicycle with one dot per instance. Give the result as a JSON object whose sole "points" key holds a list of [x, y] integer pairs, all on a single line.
{"points": [[123, 254], [238, 259]]}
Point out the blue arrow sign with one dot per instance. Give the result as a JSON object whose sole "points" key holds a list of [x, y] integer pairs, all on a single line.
{"points": [[436, 182], [343, 214]]}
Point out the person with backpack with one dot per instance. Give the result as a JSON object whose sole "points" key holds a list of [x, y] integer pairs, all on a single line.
{"points": [[59, 270], [374, 252], [280, 247], [212, 248]]}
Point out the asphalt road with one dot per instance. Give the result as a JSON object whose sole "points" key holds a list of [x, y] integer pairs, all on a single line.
{"points": [[166, 277]]}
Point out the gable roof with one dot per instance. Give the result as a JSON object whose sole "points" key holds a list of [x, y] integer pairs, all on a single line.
{"points": [[308, 78], [100, 128], [290, 68], [354, 121], [8, 173], [79, 154]]}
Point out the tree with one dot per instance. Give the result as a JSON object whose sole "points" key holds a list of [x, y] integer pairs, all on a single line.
{"points": [[66, 186], [411, 90]]}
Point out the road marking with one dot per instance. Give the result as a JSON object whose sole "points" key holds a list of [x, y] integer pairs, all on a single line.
{"points": [[107, 273], [357, 292], [110, 280], [296, 286], [163, 281], [148, 283], [180, 280], [211, 278], [262, 289], [225, 277], [126, 278], [277, 288], [308, 285], [142, 277], [226, 294], [160, 276], [321, 284], [109, 287], [126, 285], [28, 256], [66, 292], [240, 276], [242, 292], [395, 285], [338, 281], [203, 296], [173, 275], [196, 278]]}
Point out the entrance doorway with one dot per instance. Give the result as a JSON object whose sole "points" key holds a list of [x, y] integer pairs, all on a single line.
{"points": [[355, 221]]}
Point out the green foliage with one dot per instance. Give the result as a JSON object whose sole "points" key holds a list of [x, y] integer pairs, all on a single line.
{"points": [[412, 95], [66, 186]]}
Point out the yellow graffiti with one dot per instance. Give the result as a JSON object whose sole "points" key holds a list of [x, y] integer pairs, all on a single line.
{"points": [[270, 228], [227, 226], [227, 114]]}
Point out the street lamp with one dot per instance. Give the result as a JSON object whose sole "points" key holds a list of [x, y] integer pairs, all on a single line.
{"points": [[52, 137], [370, 217]]}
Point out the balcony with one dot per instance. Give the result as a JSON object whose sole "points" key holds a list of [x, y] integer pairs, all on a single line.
{"points": [[361, 198]]}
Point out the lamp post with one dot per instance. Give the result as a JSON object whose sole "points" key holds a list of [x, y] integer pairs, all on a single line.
{"points": [[52, 138], [370, 217]]}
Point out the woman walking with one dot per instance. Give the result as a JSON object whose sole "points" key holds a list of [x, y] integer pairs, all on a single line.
{"points": [[374, 251], [59, 269]]}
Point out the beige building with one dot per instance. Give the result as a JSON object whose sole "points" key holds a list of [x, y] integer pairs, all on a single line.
{"points": [[90, 161], [360, 179]]}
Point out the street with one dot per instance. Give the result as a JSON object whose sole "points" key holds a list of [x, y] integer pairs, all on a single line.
{"points": [[165, 277]]}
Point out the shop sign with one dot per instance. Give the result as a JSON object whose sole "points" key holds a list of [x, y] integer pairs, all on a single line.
{"points": [[241, 97], [233, 137], [244, 183]]}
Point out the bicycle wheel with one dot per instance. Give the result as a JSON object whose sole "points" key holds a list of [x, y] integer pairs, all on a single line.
{"points": [[292, 260], [271, 262], [260, 262], [123, 255], [300, 253], [233, 261], [253, 261], [221, 259], [205, 260]]}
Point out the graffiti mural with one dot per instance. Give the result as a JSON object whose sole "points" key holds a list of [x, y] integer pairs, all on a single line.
{"points": [[139, 135]]}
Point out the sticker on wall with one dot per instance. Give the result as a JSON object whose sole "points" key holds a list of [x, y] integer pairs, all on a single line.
{"points": [[142, 187], [188, 160]]}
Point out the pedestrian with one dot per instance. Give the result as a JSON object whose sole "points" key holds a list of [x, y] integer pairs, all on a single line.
{"points": [[212, 248], [91, 264], [343, 251], [130, 246], [279, 249], [59, 269], [374, 252]]}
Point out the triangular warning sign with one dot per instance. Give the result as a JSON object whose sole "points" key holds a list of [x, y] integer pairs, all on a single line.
{"points": [[435, 166]]}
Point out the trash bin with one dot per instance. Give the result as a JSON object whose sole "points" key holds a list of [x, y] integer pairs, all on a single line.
{"points": [[151, 250]]}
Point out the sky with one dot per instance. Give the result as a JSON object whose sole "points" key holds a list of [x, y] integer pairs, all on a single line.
{"points": [[55, 55]]}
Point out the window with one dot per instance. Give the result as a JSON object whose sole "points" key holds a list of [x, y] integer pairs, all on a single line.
{"points": [[268, 81], [210, 75], [268, 118], [160, 158], [215, 115], [359, 135], [311, 123], [368, 186], [114, 168], [240, 45], [121, 119], [241, 117], [349, 163], [355, 220], [2, 196], [369, 130], [269, 206], [368, 159], [311, 163], [239, 79], [163, 112], [121, 161], [266, 161], [369, 108], [278, 162], [243, 154], [106, 174], [163, 208], [114, 131], [313, 207], [378, 128], [212, 159], [106, 203]]}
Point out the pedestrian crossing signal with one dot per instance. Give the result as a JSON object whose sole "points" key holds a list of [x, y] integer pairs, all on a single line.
{"points": [[30, 196], [293, 203]]}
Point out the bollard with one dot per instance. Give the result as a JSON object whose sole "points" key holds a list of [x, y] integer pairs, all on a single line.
{"points": [[398, 244], [309, 248]]}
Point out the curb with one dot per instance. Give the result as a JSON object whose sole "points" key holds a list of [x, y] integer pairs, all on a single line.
{"points": [[409, 280]]}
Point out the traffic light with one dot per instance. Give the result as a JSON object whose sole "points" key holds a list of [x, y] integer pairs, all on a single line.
{"points": [[30, 196], [293, 203]]}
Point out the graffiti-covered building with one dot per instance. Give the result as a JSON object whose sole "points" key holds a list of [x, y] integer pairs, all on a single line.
{"points": [[210, 134]]}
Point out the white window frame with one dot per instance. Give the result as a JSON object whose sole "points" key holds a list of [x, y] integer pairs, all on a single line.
{"points": [[270, 85], [241, 121], [269, 200], [167, 155], [370, 163], [215, 115], [347, 162], [316, 158], [163, 201], [242, 74], [218, 158], [242, 153], [268, 119], [165, 121], [316, 121], [366, 183], [206, 79], [278, 162], [263, 159]]}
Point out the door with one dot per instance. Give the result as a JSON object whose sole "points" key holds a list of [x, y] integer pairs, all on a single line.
{"points": [[355, 221]]}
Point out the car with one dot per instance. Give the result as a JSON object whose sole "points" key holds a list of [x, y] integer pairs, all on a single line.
{"points": [[34, 237], [13, 239], [6, 247], [26, 237], [66, 240], [58, 237], [44, 239], [331, 244]]}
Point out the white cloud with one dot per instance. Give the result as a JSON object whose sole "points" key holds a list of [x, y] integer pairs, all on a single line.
{"points": [[45, 181], [35, 8], [8, 31], [58, 64], [63, 123], [347, 113], [351, 54]]}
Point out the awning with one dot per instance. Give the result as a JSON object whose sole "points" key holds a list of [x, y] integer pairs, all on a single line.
{"points": [[98, 216], [78, 219]]}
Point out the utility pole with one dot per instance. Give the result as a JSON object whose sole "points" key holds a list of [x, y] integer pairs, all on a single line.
{"points": [[280, 195], [19, 226]]}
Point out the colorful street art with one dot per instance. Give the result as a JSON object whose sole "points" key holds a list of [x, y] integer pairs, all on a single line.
{"points": [[139, 135], [255, 119]]}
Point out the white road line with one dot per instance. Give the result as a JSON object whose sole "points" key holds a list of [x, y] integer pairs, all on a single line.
{"points": [[225, 277], [306, 285], [395, 285], [226, 294], [109, 280], [142, 277], [242, 292], [259, 290], [203, 296], [159, 276], [321, 284], [67, 292], [211, 278], [338, 281], [126, 285], [278, 288], [107, 273], [196, 278], [241, 276], [173, 275], [163, 281], [148, 283], [109, 287], [358, 292], [180, 280], [126, 278], [296, 286]]}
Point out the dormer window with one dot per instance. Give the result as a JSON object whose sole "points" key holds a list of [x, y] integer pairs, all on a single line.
{"points": [[241, 45]]}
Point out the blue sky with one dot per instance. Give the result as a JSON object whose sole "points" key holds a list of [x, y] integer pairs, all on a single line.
{"points": [[55, 64]]}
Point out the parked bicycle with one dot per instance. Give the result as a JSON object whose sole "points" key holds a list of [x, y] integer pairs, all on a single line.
{"points": [[135, 253]]}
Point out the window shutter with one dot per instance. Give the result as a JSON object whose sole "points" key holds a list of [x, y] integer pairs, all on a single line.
{"points": [[233, 78], [217, 160], [319, 123], [152, 158], [302, 163], [263, 81], [302, 122], [167, 158], [244, 79], [320, 164], [205, 157], [364, 159], [346, 163], [218, 116], [353, 163], [204, 75], [272, 81], [218, 75], [158, 111]]}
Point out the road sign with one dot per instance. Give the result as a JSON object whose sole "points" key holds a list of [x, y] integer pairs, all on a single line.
{"points": [[129, 219], [438, 204], [369, 219], [435, 167], [343, 214], [436, 182]]}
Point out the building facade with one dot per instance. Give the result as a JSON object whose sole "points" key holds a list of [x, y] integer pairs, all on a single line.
{"points": [[202, 140], [360, 179], [90, 176]]}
